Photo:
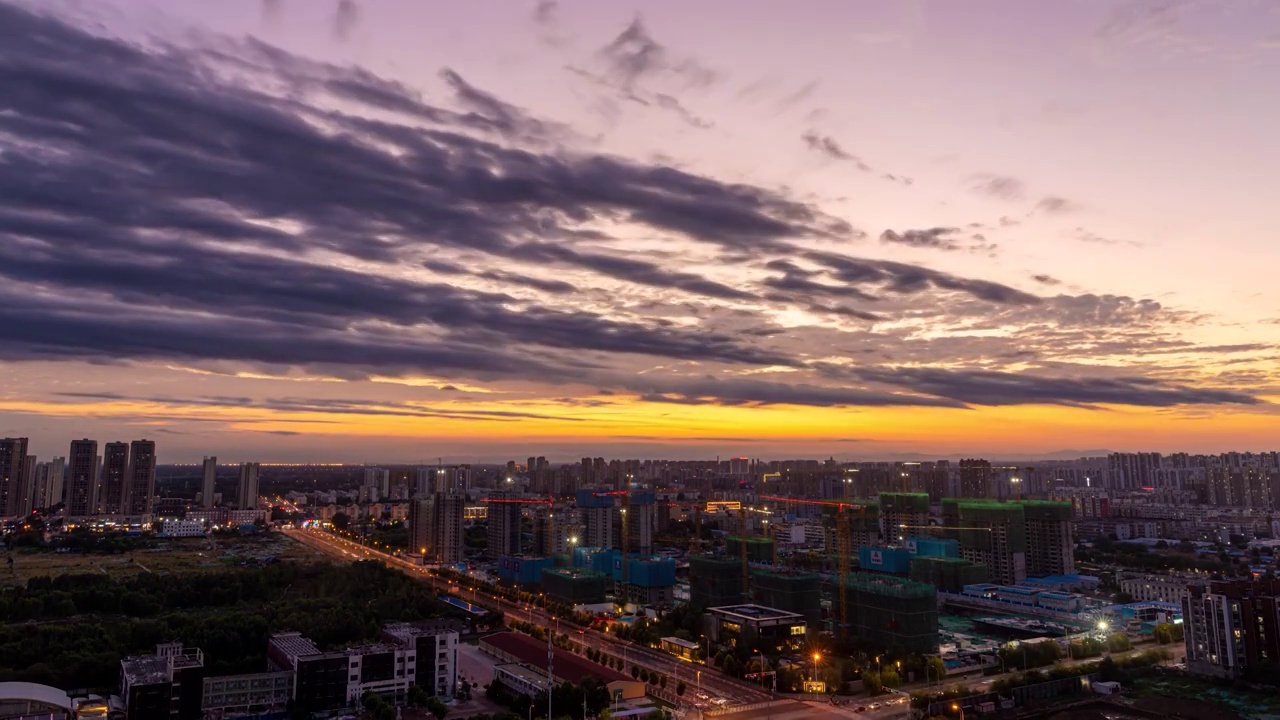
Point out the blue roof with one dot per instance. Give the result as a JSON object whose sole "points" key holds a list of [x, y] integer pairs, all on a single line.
{"points": [[1056, 595], [1018, 590]]}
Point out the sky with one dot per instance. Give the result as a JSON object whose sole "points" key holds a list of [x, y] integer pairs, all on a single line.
{"points": [[396, 231]]}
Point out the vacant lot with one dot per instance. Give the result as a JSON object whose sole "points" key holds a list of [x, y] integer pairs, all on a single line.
{"points": [[169, 556]]}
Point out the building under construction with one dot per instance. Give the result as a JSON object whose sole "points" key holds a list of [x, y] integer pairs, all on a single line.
{"points": [[947, 574], [902, 514], [759, 549], [789, 590], [1050, 550], [990, 533], [575, 586], [894, 613], [715, 581]]}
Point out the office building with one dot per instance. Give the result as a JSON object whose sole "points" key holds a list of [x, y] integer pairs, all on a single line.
{"points": [[247, 696], [247, 487], [435, 644], [140, 481], [504, 524], [975, 478], [82, 478], [435, 527], [166, 686], [13, 474], [320, 679], [1232, 627], [208, 482], [755, 626], [111, 483], [48, 483]]}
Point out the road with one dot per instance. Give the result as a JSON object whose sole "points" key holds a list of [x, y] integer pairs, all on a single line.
{"points": [[696, 678]]}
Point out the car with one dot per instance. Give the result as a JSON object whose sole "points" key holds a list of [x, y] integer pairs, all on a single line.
{"points": [[875, 706], [860, 708]]}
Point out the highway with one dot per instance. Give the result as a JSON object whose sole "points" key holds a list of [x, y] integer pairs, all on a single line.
{"points": [[696, 677]]}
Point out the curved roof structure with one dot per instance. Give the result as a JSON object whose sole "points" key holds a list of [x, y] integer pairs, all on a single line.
{"points": [[36, 693]]}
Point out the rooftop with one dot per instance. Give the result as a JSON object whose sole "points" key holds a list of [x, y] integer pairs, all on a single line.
{"points": [[406, 631], [535, 677], [755, 612], [533, 653], [294, 645], [146, 670]]}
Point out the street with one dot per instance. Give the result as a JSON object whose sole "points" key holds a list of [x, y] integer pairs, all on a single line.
{"points": [[696, 677]]}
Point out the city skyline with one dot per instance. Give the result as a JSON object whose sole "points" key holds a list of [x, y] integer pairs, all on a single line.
{"points": [[397, 231]]}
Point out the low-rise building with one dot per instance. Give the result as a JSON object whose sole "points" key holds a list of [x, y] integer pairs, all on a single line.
{"points": [[1160, 588], [751, 624], [238, 696], [166, 686]]}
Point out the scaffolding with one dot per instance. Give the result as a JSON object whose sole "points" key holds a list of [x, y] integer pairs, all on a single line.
{"points": [[893, 613], [714, 581], [947, 574], [758, 549], [790, 590]]}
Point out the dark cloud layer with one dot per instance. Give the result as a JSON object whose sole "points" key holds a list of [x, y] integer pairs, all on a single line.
{"points": [[154, 207]]}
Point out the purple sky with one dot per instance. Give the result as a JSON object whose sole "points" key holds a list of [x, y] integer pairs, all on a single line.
{"points": [[483, 230]]}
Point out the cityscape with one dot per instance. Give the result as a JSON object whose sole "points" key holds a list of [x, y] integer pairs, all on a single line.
{"points": [[617, 360]]}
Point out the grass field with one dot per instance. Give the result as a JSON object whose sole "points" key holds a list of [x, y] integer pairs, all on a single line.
{"points": [[181, 555]]}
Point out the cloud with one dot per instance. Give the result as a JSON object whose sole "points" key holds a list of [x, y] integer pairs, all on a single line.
{"points": [[346, 19], [158, 207], [802, 93], [546, 12], [1001, 187], [1046, 279], [984, 387], [506, 117], [292, 405], [903, 278], [1055, 205], [634, 56], [939, 238], [827, 145], [1087, 236]]}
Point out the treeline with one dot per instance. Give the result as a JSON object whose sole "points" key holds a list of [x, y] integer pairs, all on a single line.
{"points": [[71, 631]]}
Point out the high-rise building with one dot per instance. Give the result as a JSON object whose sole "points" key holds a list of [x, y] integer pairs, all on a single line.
{"points": [[140, 485], [1232, 626], [435, 527], [637, 518], [990, 533], [902, 514], [247, 487], [115, 466], [597, 512], [378, 480], [82, 478], [504, 524], [975, 478], [13, 474], [48, 483], [208, 482], [1050, 549]]}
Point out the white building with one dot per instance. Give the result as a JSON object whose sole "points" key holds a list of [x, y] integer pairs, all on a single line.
{"points": [[1162, 588], [181, 528]]}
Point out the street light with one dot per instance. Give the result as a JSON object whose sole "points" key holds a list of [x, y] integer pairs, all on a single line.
{"points": [[816, 658], [955, 707]]}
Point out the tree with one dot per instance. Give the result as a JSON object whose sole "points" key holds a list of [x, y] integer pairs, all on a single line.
{"points": [[1118, 642], [341, 521], [437, 707], [890, 679], [417, 696], [871, 682], [680, 688], [635, 671], [935, 669], [662, 681]]}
